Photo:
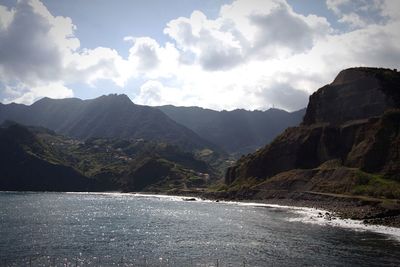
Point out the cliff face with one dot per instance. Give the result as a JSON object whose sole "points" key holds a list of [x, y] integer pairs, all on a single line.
{"points": [[352, 122], [356, 93], [371, 145]]}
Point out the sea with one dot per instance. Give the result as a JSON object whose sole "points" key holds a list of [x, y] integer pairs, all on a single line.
{"points": [[116, 229]]}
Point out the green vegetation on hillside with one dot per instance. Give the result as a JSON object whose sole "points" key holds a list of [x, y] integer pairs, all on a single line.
{"points": [[376, 185], [112, 164]]}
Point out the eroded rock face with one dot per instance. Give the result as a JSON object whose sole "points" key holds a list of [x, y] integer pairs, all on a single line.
{"points": [[348, 121], [356, 93], [371, 145]]}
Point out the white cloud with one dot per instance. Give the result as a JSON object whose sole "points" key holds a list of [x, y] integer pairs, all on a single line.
{"points": [[390, 9], [144, 53], [214, 47], [37, 48], [147, 58], [154, 93], [27, 51], [245, 30], [26, 95], [253, 55], [335, 5], [6, 17], [359, 14]]}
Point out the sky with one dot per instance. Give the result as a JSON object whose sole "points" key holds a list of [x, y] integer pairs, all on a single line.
{"points": [[218, 54]]}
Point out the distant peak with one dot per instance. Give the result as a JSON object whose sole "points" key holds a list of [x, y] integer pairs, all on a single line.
{"points": [[118, 95], [115, 98], [48, 101], [44, 99]]}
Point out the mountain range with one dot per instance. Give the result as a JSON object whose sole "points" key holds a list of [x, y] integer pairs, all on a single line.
{"points": [[237, 132], [38, 159], [350, 130], [343, 156], [110, 143], [192, 128], [112, 116]]}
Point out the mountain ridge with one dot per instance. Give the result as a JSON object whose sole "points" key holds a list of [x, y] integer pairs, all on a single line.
{"points": [[238, 131], [26, 165], [111, 116], [38, 159]]}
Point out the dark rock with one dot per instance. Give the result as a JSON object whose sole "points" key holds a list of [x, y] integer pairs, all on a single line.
{"points": [[356, 93], [189, 199], [369, 144]]}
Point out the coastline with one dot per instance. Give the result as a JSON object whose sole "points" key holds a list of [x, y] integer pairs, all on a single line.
{"points": [[327, 206], [309, 212], [369, 211]]}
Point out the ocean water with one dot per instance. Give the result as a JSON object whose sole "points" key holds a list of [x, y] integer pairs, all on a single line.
{"points": [[112, 229]]}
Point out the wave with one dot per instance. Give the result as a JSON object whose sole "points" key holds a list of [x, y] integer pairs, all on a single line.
{"points": [[327, 218], [305, 214], [314, 217]]}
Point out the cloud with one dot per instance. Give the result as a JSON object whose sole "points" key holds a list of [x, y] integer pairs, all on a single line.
{"points": [[144, 53], [24, 95], [253, 54], [150, 93], [155, 93], [90, 65], [39, 50], [245, 30], [28, 52], [285, 96], [213, 46], [359, 14]]}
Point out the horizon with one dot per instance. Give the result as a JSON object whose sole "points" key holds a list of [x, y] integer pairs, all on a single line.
{"points": [[219, 55], [116, 94]]}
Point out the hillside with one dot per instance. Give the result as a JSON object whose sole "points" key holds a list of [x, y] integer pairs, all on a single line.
{"points": [[38, 159], [238, 131], [112, 116], [27, 165], [352, 149]]}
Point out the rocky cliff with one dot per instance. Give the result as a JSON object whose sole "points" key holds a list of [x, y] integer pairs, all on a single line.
{"points": [[352, 125], [356, 93]]}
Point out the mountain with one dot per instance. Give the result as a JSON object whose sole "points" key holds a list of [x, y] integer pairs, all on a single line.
{"points": [[356, 93], [27, 165], [238, 131], [112, 116], [348, 143], [38, 159]]}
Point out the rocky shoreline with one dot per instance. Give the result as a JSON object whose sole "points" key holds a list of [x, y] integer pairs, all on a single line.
{"points": [[370, 211]]}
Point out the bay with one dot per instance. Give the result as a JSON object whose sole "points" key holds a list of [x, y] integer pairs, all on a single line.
{"points": [[113, 229]]}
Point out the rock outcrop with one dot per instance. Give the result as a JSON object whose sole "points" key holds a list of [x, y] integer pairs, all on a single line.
{"points": [[356, 93], [352, 122]]}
